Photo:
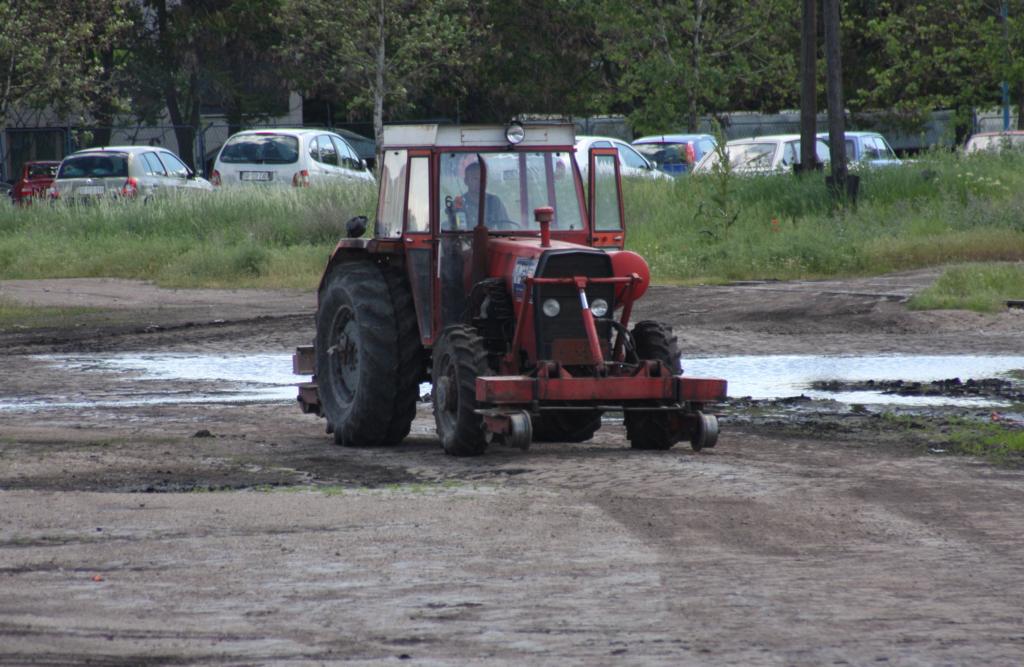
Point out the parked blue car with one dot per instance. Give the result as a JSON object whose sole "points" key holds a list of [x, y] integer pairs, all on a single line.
{"points": [[867, 148], [675, 154]]}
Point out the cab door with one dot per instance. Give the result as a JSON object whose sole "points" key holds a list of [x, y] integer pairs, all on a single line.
{"points": [[604, 199]]}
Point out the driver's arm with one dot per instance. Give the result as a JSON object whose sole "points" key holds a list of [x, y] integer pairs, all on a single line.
{"points": [[496, 210]]}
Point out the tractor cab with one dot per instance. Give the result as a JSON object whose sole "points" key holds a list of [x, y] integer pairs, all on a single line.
{"points": [[441, 186], [496, 274]]}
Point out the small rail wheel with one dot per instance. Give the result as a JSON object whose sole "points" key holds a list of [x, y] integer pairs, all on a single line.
{"points": [[522, 431], [705, 433]]}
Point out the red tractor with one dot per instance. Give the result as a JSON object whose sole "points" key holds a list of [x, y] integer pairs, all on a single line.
{"points": [[495, 275]]}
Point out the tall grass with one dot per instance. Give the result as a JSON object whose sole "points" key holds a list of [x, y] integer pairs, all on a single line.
{"points": [[940, 209], [981, 287], [239, 238]]}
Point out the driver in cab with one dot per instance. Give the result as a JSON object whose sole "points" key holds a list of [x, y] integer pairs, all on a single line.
{"points": [[466, 207]]}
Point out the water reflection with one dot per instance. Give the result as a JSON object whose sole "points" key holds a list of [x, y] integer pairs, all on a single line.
{"points": [[153, 379], [781, 376]]}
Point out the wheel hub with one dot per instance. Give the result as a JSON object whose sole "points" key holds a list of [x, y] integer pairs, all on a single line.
{"points": [[445, 396]]}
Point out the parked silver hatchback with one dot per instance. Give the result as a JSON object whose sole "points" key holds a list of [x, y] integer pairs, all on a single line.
{"points": [[288, 157], [124, 172]]}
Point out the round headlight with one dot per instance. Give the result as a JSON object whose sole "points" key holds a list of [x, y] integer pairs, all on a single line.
{"points": [[551, 307], [515, 132], [599, 307]]}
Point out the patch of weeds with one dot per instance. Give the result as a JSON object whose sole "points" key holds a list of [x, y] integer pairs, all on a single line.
{"points": [[14, 316], [994, 442], [980, 287], [423, 487], [721, 211]]}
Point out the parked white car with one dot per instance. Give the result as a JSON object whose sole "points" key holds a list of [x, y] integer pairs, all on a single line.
{"points": [[631, 162], [290, 157], [762, 155], [867, 149], [124, 172], [994, 141]]}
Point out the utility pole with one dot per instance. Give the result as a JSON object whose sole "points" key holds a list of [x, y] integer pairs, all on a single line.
{"points": [[808, 87], [834, 86], [1004, 15]]}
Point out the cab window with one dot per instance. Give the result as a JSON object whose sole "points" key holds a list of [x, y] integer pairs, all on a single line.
{"points": [[391, 206], [418, 210], [605, 196]]}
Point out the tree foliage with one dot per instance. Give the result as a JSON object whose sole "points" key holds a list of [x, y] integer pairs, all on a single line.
{"points": [[378, 55], [673, 61], [919, 56], [60, 55], [662, 63], [539, 56]]}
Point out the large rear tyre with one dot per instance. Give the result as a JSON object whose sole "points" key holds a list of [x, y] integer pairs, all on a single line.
{"points": [[567, 426], [459, 358], [653, 430], [410, 356], [357, 357]]}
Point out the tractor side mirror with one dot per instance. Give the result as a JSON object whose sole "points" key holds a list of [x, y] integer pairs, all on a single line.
{"points": [[356, 226]]}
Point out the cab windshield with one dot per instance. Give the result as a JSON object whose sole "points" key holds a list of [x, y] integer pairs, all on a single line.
{"points": [[503, 189]]}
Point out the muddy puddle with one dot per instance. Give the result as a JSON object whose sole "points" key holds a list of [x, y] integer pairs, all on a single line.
{"points": [[898, 380], [155, 379], [127, 380]]}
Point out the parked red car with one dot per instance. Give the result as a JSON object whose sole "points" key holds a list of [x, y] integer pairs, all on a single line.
{"points": [[36, 177]]}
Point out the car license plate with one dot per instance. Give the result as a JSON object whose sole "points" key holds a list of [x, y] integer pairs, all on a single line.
{"points": [[90, 190], [255, 175]]}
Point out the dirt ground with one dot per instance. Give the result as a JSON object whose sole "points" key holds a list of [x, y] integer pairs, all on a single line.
{"points": [[237, 534]]}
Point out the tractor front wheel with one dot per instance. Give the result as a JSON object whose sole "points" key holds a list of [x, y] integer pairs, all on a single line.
{"points": [[459, 358]]}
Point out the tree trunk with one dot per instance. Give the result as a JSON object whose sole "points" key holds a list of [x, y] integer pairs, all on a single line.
{"points": [[1020, 105], [378, 87], [695, 63], [836, 119], [808, 87]]}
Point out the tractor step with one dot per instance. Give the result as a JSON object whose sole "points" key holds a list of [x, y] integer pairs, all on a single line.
{"points": [[304, 360]]}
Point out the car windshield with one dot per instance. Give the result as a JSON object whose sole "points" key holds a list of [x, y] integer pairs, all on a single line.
{"points": [[663, 153], [261, 149], [42, 170], [514, 184], [105, 165]]}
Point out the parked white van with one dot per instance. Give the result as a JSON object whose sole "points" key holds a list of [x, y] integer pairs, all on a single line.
{"points": [[295, 157]]}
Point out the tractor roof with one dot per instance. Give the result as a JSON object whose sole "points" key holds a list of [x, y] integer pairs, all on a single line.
{"points": [[429, 135]]}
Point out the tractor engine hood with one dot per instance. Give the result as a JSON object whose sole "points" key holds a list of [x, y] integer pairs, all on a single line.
{"points": [[515, 260]]}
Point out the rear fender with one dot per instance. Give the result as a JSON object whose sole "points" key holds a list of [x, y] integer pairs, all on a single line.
{"points": [[360, 250]]}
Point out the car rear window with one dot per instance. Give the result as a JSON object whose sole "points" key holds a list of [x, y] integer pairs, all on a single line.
{"points": [[42, 170], [752, 156], [95, 166], [663, 153], [261, 149]]}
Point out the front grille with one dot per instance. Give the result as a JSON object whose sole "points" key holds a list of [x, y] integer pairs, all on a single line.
{"points": [[564, 334]]}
